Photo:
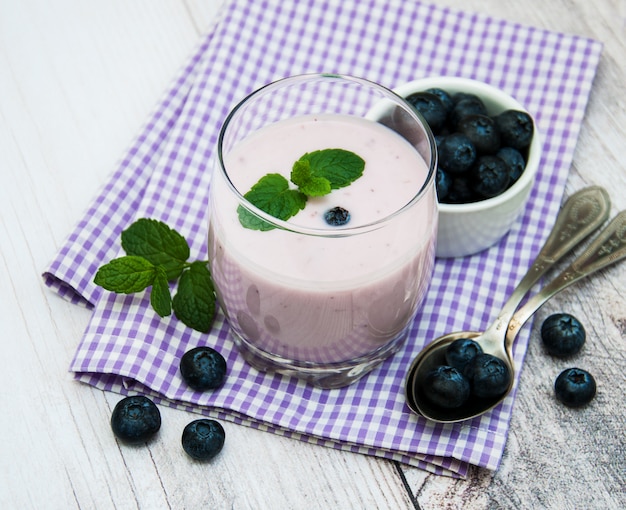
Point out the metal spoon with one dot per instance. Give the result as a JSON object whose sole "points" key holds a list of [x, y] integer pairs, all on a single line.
{"points": [[580, 215]]}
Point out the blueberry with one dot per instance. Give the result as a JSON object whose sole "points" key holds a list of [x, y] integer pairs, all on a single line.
{"points": [[575, 387], [516, 128], [203, 439], [514, 162], [457, 153], [446, 387], [460, 352], [460, 192], [431, 108], [470, 133], [460, 96], [438, 139], [482, 131], [489, 176], [135, 419], [488, 375], [442, 184], [444, 97], [562, 334], [203, 368], [337, 216], [468, 105]]}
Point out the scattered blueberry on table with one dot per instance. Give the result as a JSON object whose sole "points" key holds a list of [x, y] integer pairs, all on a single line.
{"points": [[203, 368], [203, 439], [562, 334], [575, 387], [135, 419]]}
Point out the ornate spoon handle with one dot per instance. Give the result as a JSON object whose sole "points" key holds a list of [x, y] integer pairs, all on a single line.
{"points": [[581, 214], [608, 248]]}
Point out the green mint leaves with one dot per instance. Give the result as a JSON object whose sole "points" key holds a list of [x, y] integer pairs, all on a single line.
{"points": [[315, 174], [312, 185], [126, 275], [195, 296], [273, 196], [339, 167], [156, 242], [155, 256]]}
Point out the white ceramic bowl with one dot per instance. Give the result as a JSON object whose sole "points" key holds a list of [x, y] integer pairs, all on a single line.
{"points": [[465, 229]]}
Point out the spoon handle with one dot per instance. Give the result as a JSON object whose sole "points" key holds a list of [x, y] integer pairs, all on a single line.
{"points": [[608, 248], [581, 214]]}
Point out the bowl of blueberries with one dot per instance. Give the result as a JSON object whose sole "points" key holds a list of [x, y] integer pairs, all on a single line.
{"points": [[488, 156]]}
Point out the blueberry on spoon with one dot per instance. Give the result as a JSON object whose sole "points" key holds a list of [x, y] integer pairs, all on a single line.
{"points": [[446, 387]]}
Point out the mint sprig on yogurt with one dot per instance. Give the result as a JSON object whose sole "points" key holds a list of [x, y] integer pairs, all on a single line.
{"points": [[272, 195], [315, 174]]}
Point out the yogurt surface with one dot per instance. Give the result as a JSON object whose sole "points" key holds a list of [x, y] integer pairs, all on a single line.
{"points": [[315, 297]]}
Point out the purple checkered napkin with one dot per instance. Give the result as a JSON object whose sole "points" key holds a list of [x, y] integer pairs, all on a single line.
{"points": [[165, 175]]}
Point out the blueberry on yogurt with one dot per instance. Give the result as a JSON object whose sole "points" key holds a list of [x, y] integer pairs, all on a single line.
{"points": [[337, 216]]}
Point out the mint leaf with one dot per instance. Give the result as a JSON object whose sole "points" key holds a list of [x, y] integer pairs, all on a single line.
{"points": [[309, 184], [272, 195], [340, 167], [126, 275], [158, 243], [316, 174], [251, 221], [194, 302], [160, 297]]}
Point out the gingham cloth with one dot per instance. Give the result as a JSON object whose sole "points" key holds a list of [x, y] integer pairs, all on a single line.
{"points": [[166, 172]]}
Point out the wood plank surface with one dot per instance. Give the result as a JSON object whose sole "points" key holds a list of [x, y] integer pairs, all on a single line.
{"points": [[77, 80]]}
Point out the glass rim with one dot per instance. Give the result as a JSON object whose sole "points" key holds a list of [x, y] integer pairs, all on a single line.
{"points": [[331, 231]]}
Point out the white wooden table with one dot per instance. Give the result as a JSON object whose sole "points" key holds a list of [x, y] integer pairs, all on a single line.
{"points": [[77, 79]]}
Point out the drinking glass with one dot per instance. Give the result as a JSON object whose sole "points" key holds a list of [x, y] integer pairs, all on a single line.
{"points": [[323, 302]]}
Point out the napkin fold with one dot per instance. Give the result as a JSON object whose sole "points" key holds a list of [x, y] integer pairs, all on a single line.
{"points": [[166, 174]]}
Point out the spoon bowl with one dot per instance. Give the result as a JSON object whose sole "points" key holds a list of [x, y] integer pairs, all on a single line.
{"points": [[430, 358], [581, 214]]}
